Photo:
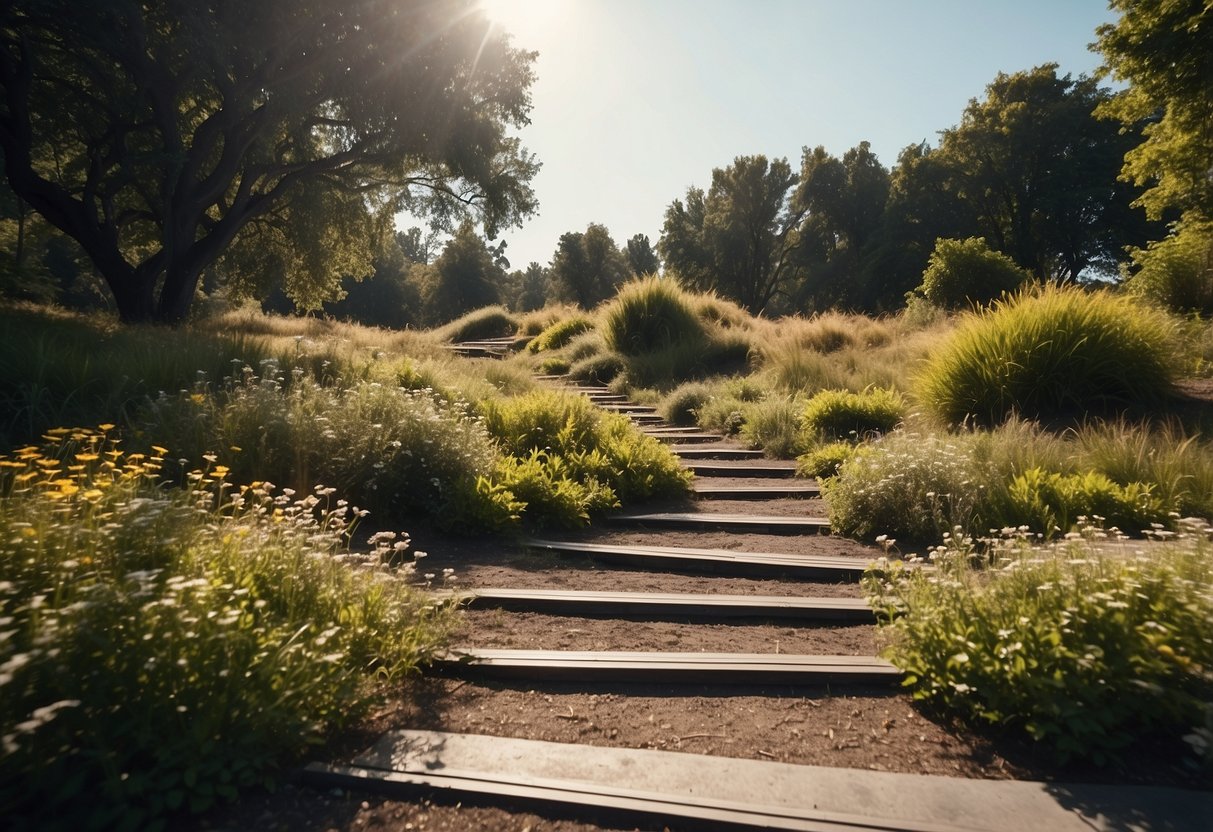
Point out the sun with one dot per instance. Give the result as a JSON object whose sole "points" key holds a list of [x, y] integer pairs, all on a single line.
{"points": [[523, 17]]}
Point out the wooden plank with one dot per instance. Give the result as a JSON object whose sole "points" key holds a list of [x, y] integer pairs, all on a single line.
{"points": [[743, 669], [694, 452], [627, 407], [804, 489], [763, 524], [770, 469], [666, 435], [713, 561], [663, 605]]}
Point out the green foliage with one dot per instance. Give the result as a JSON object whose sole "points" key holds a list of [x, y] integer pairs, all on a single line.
{"points": [[824, 461], [841, 414], [1054, 353], [724, 352], [1162, 49], [489, 322], [560, 333], [465, 277], [1043, 501], [649, 315], [963, 273], [165, 649], [390, 450], [1177, 272], [555, 365], [773, 425], [681, 406], [551, 490], [1178, 467], [584, 444], [908, 486], [1086, 651], [598, 369], [587, 267], [296, 190], [58, 368]]}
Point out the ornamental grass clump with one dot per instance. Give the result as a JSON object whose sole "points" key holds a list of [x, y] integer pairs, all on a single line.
{"points": [[560, 333], [486, 322], [165, 648], [1087, 647], [1053, 353], [649, 315], [681, 407], [841, 414]]}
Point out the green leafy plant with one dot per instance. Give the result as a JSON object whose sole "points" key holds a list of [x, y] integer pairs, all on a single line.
{"points": [[824, 461], [1044, 501], [165, 648], [773, 425], [560, 333], [1057, 352], [966, 272], [841, 414], [1085, 650]]}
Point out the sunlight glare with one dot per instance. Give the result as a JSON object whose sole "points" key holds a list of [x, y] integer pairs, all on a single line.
{"points": [[524, 17]]}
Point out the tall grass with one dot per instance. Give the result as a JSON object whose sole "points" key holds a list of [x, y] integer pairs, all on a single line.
{"points": [[560, 333], [650, 315], [1054, 353], [487, 322]]}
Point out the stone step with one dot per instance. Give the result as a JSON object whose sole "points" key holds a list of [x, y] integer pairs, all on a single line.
{"points": [[664, 605], [689, 560]]}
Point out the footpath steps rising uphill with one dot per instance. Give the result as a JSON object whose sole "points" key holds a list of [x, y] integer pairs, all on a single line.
{"points": [[655, 789]]}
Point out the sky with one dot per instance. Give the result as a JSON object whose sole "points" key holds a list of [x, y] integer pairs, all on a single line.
{"points": [[637, 100]]}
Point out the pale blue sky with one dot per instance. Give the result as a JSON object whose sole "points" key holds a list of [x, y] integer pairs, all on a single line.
{"points": [[636, 100]]}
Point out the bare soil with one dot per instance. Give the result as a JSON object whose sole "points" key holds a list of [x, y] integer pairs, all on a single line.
{"points": [[875, 729]]}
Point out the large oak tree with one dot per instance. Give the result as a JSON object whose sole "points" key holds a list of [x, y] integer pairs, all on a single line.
{"points": [[157, 133]]}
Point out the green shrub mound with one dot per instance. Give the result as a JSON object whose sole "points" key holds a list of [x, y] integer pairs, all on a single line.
{"points": [[1057, 353], [165, 649], [1177, 272], [724, 352], [601, 451], [824, 461], [649, 315], [681, 406], [560, 333], [487, 322], [842, 414], [602, 368], [1045, 502], [1085, 651], [962, 273], [774, 426]]}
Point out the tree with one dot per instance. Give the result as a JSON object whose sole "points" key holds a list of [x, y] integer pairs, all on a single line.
{"points": [[1038, 171], [844, 202], [157, 134], [464, 277], [965, 272], [1164, 50], [642, 259], [737, 239], [588, 267]]}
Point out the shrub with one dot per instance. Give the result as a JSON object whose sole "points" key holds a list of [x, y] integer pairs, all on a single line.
{"points": [[396, 452], [586, 345], [724, 414], [824, 461], [906, 486], [1044, 501], [590, 444], [773, 425], [1177, 272], [598, 369], [681, 406], [167, 648], [649, 315], [1056, 353], [555, 366], [1178, 467], [551, 492], [1084, 650], [560, 333], [486, 322], [841, 414], [724, 352], [965, 272]]}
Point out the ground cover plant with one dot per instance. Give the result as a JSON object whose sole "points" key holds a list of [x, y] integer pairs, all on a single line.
{"points": [[1049, 354], [1086, 647], [164, 648]]}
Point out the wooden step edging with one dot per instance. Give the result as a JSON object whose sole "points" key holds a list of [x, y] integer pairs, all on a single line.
{"points": [[666, 435], [698, 452], [762, 524], [711, 468], [712, 561], [756, 492], [663, 605], [603, 666]]}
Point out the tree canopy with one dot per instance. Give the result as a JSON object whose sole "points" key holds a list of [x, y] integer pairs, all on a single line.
{"points": [[161, 135], [587, 266]]}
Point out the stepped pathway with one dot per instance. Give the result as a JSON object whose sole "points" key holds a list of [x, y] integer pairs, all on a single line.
{"points": [[729, 625]]}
